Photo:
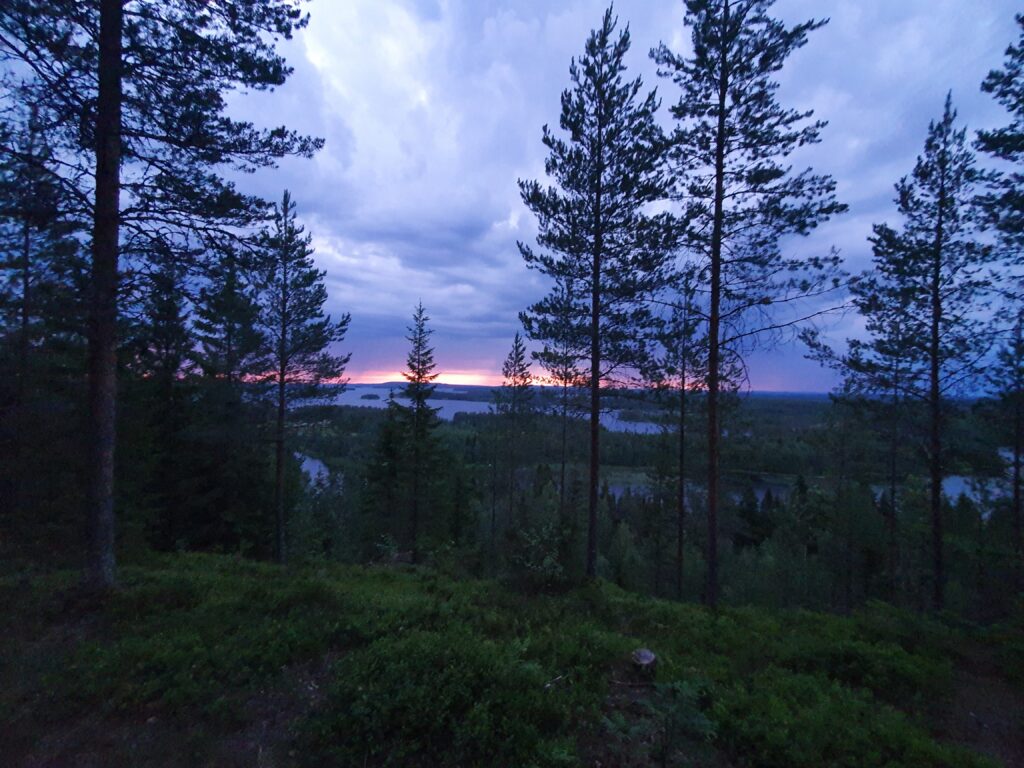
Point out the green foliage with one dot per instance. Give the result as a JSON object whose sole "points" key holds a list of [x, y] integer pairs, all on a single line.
{"points": [[439, 699], [777, 719], [424, 670], [535, 562]]}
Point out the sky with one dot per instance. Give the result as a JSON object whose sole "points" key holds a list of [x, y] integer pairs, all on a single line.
{"points": [[432, 109]]}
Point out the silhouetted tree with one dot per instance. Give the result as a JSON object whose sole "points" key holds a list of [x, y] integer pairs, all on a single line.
{"points": [[940, 263], [419, 418], [739, 197], [594, 222], [299, 334], [514, 403]]}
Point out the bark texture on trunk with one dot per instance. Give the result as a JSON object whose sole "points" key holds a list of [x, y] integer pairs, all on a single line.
{"points": [[100, 571]]}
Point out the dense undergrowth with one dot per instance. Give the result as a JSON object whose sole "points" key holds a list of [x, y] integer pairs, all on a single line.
{"points": [[410, 668]]}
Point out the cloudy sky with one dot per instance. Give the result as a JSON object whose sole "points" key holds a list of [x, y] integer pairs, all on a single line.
{"points": [[432, 109]]}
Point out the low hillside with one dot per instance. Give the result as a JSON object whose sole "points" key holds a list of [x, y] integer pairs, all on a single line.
{"points": [[204, 660]]}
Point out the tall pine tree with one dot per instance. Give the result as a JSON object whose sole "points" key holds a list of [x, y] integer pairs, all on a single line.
{"points": [[740, 199], [594, 222]]}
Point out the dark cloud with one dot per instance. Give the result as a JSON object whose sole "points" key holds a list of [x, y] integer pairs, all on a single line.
{"points": [[433, 110]]}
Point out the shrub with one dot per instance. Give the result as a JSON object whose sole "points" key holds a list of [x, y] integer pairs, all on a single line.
{"points": [[438, 699], [778, 719]]}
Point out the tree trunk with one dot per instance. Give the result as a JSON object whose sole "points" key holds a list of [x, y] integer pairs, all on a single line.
{"points": [[280, 553], [415, 522], [26, 310], [561, 482], [890, 521], [102, 370], [595, 375], [681, 489], [935, 406], [711, 590], [494, 494], [279, 538], [1018, 544]]}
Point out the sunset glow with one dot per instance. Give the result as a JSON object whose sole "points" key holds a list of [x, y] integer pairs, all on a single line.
{"points": [[477, 378]]}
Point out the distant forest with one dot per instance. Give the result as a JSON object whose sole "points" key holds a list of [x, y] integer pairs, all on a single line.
{"points": [[169, 363]]}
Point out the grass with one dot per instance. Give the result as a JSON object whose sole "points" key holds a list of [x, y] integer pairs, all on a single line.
{"points": [[205, 660]]}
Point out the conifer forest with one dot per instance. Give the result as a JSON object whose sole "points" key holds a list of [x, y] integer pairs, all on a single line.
{"points": [[224, 543]]}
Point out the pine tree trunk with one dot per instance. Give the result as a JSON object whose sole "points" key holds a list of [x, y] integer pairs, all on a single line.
{"points": [[279, 538], [890, 520], [280, 553], [102, 370], [1018, 544], [26, 305], [681, 490], [415, 522], [935, 407], [512, 471], [595, 378], [494, 495], [714, 431], [892, 525], [561, 484]]}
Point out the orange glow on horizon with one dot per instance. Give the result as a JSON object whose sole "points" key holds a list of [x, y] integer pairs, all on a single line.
{"points": [[451, 378]]}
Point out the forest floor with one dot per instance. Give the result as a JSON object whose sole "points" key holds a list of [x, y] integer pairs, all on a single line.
{"points": [[213, 661]]}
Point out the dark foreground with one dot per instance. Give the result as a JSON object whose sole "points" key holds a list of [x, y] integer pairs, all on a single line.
{"points": [[203, 660]]}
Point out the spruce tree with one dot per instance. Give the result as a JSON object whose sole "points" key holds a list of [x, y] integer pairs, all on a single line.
{"points": [[163, 344], [300, 335], [39, 258], [882, 371], [514, 404], [419, 418], [739, 197], [231, 347], [675, 371], [135, 96], [559, 323], [594, 226], [1006, 380]]}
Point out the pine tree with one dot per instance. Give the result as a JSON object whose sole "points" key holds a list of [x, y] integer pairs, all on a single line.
{"points": [[135, 96], [594, 221], [418, 417], [299, 333], [739, 197], [928, 338], [1004, 201]]}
